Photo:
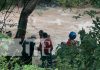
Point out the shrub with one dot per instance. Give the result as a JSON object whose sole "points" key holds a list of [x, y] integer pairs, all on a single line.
{"points": [[95, 3], [83, 57], [79, 3]]}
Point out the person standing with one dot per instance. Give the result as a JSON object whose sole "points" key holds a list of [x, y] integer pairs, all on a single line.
{"points": [[46, 48]]}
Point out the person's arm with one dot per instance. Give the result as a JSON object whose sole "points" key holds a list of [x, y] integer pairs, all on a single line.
{"points": [[51, 46]]}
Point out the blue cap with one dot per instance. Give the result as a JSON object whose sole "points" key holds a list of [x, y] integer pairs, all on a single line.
{"points": [[72, 35]]}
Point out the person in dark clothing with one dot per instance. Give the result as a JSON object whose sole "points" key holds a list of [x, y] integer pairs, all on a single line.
{"points": [[41, 33], [32, 44], [27, 57], [31, 53], [41, 38]]}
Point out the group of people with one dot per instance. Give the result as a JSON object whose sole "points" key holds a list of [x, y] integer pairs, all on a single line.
{"points": [[45, 47]]}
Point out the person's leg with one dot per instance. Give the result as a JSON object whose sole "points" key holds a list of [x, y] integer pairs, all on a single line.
{"points": [[31, 48], [24, 49], [24, 57], [49, 59], [43, 58], [31, 51]]}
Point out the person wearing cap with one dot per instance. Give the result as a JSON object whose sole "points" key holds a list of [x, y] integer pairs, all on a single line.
{"points": [[71, 40], [27, 53]]}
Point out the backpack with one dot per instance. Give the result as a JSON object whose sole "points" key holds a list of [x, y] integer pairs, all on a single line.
{"points": [[48, 46]]}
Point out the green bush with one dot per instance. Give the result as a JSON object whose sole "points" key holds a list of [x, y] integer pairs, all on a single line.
{"points": [[32, 67], [72, 3], [96, 3], [5, 4], [79, 3], [64, 3], [86, 56]]}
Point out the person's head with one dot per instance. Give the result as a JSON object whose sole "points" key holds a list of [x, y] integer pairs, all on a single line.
{"points": [[41, 33], [33, 36], [45, 35], [72, 35]]}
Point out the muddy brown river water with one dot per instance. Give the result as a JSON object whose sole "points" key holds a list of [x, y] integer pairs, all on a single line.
{"points": [[55, 21]]}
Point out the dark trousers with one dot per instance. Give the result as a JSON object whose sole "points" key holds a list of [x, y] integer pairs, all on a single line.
{"points": [[27, 57], [47, 58]]}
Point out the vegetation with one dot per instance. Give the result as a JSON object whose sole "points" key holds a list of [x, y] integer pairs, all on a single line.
{"points": [[86, 56], [64, 3], [79, 3], [14, 65]]}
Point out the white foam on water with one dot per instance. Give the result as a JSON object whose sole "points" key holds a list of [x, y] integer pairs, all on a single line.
{"points": [[56, 21], [86, 25]]}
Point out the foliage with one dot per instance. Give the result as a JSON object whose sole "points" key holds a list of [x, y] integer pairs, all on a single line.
{"points": [[96, 3], [13, 64], [86, 56], [91, 13], [65, 57], [3, 36], [96, 30], [65, 3], [32, 67], [79, 3], [72, 3], [5, 4]]}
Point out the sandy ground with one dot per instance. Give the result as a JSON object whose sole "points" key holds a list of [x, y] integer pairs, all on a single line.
{"points": [[54, 21]]}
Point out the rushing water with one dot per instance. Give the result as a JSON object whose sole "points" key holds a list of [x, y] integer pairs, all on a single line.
{"points": [[55, 21]]}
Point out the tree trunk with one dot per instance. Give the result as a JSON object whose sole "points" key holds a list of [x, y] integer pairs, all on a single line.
{"points": [[26, 11]]}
